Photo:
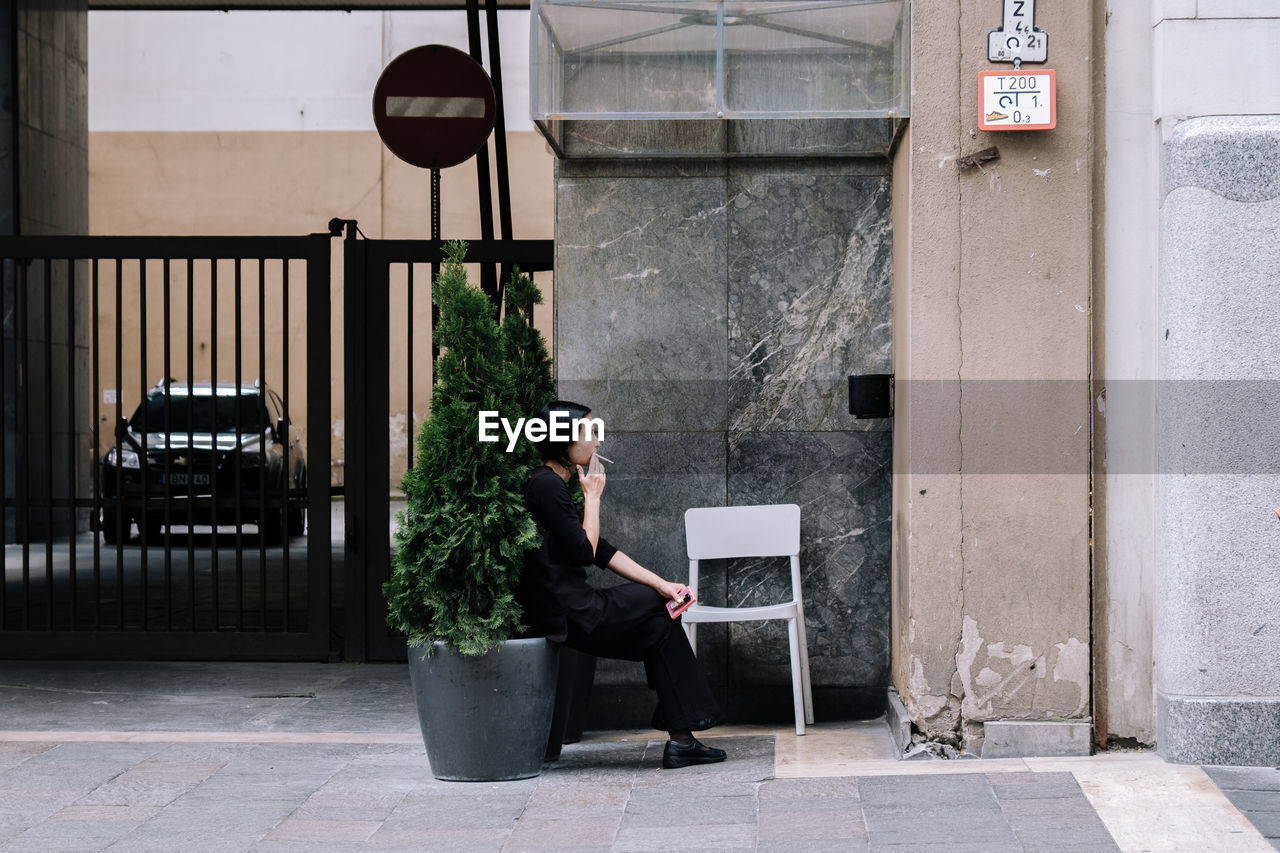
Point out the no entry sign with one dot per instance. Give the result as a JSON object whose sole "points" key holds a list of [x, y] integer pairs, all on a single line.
{"points": [[434, 106]]}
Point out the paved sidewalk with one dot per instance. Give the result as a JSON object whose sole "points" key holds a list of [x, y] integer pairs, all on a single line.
{"points": [[288, 757]]}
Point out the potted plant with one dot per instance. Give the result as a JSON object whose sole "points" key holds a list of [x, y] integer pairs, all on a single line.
{"points": [[484, 699]]}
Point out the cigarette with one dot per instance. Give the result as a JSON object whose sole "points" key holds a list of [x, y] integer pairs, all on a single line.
{"points": [[603, 458]]}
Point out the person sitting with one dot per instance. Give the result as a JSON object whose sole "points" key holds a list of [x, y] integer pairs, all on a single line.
{"points": [[626, 622]]}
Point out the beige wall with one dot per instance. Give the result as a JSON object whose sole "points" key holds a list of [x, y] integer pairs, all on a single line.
{"points": [[992, 287], [283, 183]]}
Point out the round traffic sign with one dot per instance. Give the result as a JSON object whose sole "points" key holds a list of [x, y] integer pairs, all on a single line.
{"points": [[434, 106]]}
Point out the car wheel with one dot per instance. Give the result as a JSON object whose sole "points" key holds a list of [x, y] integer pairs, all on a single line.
{"points": [[272, 529], [113, 530], [297, 522], [155, 524]]}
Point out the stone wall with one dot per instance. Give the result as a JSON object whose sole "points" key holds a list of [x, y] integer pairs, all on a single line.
{"points": [[710, 312]]}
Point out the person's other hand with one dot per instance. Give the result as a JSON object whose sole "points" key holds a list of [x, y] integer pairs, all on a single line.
{"points": [[592, 479], [670, 590]]}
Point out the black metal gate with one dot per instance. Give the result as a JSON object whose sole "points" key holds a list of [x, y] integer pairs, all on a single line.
{"points": [[404, 269], [100, 438], [160, 462]]}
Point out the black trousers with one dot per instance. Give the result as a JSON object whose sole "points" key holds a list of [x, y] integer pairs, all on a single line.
{"points": [[636, 626]]}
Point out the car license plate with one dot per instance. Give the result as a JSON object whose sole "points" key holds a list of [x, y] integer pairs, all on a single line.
{"points": [[180, 479]]}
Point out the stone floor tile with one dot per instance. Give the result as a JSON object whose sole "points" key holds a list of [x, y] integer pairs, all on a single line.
{"points": [[800, 805], [697, 811], [532, 833], [310, 829], [155, 770], [984, 846], [122, 792], [1254, 801], [454, 813], [809, 789], [273, 846], [579, 796], [908, 790], [993, 834], [78, 811], [843, 845], [1268, 823], [1244, 778], [480, 840], [811, 826], [1055, 841], [645, 839], [354, 805], [66, 836]]}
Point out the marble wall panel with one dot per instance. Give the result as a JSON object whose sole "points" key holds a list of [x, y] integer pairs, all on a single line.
{"points": [[711, 317], [843, 484], [809, 301], [640, 299]]}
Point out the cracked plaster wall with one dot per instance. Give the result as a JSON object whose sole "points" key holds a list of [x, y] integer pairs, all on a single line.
{"points": [[990, 589]]}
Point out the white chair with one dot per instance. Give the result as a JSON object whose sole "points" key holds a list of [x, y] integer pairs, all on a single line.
{"points": [[729, 532]]}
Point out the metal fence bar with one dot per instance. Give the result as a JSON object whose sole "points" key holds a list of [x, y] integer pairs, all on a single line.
{"points": [[144, 519], [48, 440], [72, 455], [264, 507], [24, 442], [238, 452], [95, 372], [319, 432], [6, 265], [408, 416], [121, 520], [214, 575], [191, 441], [288, 425], [168, 455]]}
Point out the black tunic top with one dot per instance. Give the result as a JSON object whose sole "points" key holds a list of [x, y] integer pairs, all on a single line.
{"points": [[554, 590]]}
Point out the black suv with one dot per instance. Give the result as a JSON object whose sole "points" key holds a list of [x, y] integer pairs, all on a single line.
{"points": [[221, 454]]}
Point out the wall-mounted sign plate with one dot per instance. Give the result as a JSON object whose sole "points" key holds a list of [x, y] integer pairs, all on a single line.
{"points": [[1017, 100], [1018, 40]]}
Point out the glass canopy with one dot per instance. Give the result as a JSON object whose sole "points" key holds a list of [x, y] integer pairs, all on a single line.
{"points": [[718, 59]]}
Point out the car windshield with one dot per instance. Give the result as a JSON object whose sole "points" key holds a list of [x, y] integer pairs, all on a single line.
{"points": [[241, 413]]}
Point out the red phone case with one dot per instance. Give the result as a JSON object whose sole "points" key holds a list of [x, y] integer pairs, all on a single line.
{"points": [[676, 606]]}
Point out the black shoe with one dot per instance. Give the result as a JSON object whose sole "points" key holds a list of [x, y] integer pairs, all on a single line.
{"points": [[675, 755]]}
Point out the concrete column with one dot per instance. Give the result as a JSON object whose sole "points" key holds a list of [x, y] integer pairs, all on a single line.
{"points": [[1218, 592], [46, 184], [992, 282]]}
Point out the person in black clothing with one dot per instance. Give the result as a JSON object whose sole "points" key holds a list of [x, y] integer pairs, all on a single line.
{"points": [[628, 621]]}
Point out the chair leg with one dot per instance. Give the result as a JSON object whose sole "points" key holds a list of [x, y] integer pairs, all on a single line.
{"points": [[797, 690], [804, 669]]}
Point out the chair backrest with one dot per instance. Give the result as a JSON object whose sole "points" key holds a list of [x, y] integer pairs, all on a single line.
{"points": [[724, 532]]}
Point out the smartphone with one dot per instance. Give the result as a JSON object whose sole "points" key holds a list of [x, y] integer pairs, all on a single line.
{"points": [[678, 605]]}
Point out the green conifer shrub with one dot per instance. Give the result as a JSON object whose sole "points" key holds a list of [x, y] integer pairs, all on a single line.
{"points": [[461, 539], [526, 352]]}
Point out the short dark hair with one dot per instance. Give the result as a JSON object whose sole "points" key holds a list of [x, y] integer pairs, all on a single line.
{"points": [[558, 451]]}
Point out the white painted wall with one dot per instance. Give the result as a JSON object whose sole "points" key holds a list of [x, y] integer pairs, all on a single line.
{"points": [[1224, 59], [1166, 61], [211, 71], [1128, 328]]}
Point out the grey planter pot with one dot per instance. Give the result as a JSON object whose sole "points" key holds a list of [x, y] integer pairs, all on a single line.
{"points": [[485, 719]]}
